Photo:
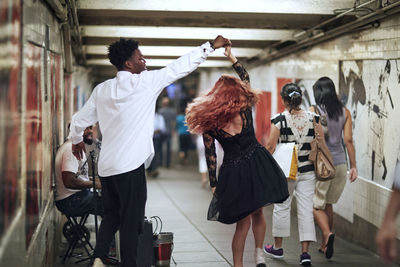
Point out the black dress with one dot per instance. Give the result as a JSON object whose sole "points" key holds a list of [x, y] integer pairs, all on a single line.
{"points": [[249, 177]]}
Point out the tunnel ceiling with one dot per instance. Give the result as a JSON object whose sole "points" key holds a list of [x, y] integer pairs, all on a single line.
{"points": [[168, 29]]}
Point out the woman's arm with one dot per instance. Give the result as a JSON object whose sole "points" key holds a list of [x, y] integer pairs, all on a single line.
{"points": [[229, 55], [211, 158], [348, 141], [237, 66]]}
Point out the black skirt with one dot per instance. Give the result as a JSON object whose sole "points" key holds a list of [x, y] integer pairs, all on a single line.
{"points": [[247, 184]]}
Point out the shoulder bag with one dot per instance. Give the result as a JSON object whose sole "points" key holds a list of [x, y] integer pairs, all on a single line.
{"points": [[324, 166]]}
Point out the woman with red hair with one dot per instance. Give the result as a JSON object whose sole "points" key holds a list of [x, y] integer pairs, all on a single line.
{"points": [[249, 178]]}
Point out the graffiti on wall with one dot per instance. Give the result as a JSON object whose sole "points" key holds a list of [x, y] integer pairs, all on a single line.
{"points": [[370, 89], [10, 18], [351, 86], [34, 133]]}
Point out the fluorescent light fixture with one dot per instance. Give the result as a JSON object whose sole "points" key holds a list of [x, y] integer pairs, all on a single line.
{"points": [[162, 63], [185, 33], [174, 51]]}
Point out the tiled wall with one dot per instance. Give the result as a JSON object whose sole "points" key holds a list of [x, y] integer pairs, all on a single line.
{"points": [[366, 199]]}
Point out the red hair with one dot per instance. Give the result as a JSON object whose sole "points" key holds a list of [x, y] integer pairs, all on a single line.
{"points": [[219, 106]]}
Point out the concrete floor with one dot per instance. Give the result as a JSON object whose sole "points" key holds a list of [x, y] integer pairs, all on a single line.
{"points": [[177, 197]]}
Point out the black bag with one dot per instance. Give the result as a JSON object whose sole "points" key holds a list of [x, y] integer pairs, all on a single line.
{"points": [[145, 252]]}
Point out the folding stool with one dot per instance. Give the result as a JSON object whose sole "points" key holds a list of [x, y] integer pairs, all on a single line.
{"points": [[77, 234]]}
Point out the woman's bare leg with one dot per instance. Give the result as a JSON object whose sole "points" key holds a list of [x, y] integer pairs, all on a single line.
{"points": [[239, 239], [322, 220], [259, 227]]}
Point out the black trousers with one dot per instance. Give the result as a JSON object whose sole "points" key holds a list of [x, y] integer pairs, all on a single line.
{"points": [[124, 198]]}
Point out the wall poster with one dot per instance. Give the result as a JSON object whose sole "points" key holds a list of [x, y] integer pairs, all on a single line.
{"points": [[370, 89]]}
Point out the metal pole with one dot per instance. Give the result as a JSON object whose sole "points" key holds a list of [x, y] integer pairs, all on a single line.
{"points": [[93, 156]]}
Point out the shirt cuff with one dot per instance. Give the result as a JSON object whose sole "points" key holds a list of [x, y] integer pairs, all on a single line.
{"points": [[76, 139], [207, 49]]}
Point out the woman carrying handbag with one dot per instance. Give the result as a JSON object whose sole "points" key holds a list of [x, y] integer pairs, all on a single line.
{"points": [[299, 128], [338, 123]]}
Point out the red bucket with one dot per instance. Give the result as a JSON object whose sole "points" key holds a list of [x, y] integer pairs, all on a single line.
{"points": [[163, 246]]}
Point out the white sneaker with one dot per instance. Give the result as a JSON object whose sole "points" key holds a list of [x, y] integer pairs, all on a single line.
{"points": [[259, 258], [98, 263]]}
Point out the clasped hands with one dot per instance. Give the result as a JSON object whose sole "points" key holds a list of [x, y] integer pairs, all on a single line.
{"points": [[221, 41]]}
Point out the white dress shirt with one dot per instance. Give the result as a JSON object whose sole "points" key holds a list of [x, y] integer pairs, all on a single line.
{"points": [[124, 107]]}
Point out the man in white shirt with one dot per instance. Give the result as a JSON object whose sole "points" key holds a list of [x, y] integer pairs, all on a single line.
{"points": [[124, 107], [73, 197]]}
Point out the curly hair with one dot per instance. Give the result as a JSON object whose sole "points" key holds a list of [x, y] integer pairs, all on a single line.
{"points": [[120, 51], [220, 105]]}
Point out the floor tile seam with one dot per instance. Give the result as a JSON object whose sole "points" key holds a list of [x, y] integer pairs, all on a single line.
{"points": [[190, 221]]}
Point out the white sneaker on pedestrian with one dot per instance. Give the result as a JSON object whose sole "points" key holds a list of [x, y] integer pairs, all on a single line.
{"points": [[259, 258], [98, 263]]}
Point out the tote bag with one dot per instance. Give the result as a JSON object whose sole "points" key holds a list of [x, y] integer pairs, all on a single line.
{"points": [[286, 155]]}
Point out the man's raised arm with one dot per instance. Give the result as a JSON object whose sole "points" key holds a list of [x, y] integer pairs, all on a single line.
{"points": [[184, 65]]}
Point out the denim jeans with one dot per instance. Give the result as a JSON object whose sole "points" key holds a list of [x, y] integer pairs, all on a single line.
{"points": [[80, 203]]}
